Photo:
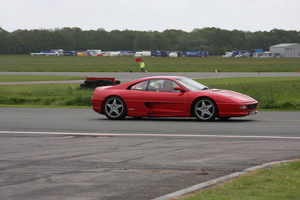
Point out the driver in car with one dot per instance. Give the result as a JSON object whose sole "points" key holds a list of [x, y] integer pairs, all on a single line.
{"points": [[167, 86]]}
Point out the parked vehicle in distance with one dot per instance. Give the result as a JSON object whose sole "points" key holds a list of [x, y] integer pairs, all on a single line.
{"points": [[170, 96]]}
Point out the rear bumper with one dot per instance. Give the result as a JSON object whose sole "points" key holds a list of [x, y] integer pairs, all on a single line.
{"points": [[97, 105], [97, 110]]}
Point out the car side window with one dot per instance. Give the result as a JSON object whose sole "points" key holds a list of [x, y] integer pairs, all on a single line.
{"points": [[155, 85], [139, 86], [168, 86], [162, 85]]}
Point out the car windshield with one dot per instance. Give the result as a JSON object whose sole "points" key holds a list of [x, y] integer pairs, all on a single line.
{"points": [[191, 84]]}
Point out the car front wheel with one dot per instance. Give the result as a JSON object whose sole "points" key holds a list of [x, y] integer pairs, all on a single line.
{"points": [[114, 108], [205, 109]]}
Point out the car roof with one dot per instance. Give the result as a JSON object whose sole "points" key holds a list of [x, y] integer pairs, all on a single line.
{"points": [[127, 84], [161, 77]]}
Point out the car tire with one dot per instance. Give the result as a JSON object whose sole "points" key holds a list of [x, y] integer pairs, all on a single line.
{"points": [[93, 86], [205, 109], [114, 108], [107, 82], [99, 83]]}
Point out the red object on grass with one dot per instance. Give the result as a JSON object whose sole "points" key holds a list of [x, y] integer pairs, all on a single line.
{"points": [[97, 78], [138, 60]]}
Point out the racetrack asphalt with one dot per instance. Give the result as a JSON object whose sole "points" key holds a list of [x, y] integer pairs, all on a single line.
{"points": [[124, 77], [54, 153]]}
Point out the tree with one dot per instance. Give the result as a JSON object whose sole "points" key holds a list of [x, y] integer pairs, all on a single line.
{"points": [[215, 40], [3, 41], [143, 41]]}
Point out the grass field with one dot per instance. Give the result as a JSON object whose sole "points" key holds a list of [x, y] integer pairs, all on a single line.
{"points": [[26, 63], [27, 78], [274, 93], [45, 95], [281, 181]]}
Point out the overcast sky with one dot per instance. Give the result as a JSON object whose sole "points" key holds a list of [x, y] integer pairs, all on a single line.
{"points": [[150, 15]]}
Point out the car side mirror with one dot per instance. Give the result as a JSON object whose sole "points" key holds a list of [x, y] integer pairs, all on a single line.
{"points": [[178, 89]]}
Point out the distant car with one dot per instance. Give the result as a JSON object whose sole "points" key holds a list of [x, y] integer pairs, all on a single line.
{"points": [[149, 97]]}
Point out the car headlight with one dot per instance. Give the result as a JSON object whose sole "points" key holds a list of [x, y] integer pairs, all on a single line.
{"points": [[243, 107]]}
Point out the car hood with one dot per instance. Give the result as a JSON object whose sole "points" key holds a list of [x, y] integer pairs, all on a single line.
{"points": [[232, 95]]}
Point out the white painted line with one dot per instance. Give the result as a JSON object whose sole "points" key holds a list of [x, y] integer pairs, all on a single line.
{"points": [[148, 135]]}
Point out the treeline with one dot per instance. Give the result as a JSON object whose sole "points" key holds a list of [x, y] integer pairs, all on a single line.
{"points": [[216, 41]]}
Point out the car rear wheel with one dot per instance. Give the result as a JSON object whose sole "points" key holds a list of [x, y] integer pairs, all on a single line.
{"points": [[114, 108], [205, 109]]}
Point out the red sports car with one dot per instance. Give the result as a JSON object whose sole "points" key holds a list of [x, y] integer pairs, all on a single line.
{"points": [[170, 96]]}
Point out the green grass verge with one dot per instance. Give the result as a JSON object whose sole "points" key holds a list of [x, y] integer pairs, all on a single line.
{"points": [[26, 63], [274, 93], [280, 181], [21, 78], [54, 95]]}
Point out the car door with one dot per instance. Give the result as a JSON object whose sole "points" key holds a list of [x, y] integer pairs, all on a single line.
{"points": [[133, 98], [159, 102]]}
